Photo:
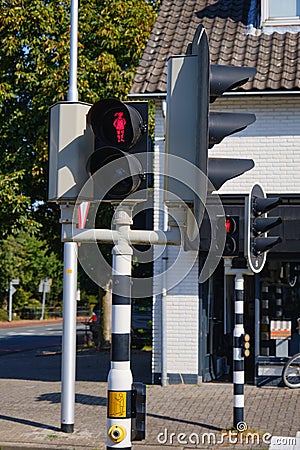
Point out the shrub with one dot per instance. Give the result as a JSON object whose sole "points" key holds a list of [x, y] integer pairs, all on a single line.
{"points": [[3, 315]]}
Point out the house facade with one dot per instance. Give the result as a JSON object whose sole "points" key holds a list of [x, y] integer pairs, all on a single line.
{"points": [[192, 322]]}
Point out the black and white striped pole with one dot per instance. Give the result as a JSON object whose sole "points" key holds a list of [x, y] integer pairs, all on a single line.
{"points": [[240, 342], [120, 376], [238, 357]]}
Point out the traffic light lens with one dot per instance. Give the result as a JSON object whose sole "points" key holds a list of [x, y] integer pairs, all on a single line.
{"points": [[115, 123], [124, 175], [230, 246], [230, 225], [232, 236], [116, 127]]}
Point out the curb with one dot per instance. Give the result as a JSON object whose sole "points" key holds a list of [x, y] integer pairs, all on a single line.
{"points": [[24, 323]]}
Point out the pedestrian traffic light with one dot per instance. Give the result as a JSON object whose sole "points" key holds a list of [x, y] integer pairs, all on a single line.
{"points": [[245, 345], [191, 129], [232, 236], [257, 226], [85, 138], [121, 145], [71, 143]]}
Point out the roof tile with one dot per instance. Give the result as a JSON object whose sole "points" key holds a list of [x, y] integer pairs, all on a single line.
{"points": [[276, 56]]}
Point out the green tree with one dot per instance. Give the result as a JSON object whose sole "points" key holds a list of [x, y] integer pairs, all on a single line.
{"points": [[34, 73], [29, 259], [15, 206]]}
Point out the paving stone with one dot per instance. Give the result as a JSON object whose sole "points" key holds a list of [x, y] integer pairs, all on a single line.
{"points": [[177, 416]]}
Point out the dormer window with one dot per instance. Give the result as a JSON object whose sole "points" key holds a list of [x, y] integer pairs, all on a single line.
{"points": [[280, 13]]}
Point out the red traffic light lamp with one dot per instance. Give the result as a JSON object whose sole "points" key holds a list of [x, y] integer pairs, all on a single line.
{"points": [[232, 236]]}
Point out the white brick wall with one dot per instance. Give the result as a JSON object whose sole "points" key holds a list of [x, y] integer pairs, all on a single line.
{"points": [[273, 142], [182, 298], [182, 334]]}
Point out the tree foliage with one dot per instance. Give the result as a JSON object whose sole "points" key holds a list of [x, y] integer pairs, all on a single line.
{"points": [[29, 259], [34, 74], [34, 70]]}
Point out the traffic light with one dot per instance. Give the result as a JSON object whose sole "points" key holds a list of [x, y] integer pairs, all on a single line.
{"points": [[187, 123], [223, 124], [232, 236], [257, 226], [245, 345], [85, 138], [71, 143], [191, 129], [121, 145]]}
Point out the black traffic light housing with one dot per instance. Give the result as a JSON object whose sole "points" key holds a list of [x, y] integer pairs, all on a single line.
{"points": [[257, 224], [138, 411], [191, 129], [121, 145], [223, 124], [232, 236], [213, 127], [226, 78]]}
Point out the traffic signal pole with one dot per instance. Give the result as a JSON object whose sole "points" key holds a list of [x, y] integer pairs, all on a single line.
{"points": [[68, 363], [68, 366], [238, 333], [126, 400], [238, 358], [120, 376]]}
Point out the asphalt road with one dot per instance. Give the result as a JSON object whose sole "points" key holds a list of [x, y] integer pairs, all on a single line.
{"points": [[26, 338]]}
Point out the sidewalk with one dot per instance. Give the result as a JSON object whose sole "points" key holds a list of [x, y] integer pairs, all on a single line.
{"points": [[178, 416]]}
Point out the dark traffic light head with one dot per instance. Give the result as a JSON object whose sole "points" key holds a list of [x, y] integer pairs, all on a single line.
{"points": [[232, 236], [257, 224], [120, 131]]}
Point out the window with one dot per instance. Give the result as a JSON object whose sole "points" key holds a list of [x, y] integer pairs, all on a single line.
{"points": [[280, 12]]}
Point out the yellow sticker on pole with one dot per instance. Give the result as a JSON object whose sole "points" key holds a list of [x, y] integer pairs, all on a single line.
{"points": [[116, 404], [69, 271]]}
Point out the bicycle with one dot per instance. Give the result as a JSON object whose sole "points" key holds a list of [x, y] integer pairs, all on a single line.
{"points": [[291, 372]]}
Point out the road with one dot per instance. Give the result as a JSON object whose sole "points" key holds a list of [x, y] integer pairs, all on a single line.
{"points": [[33, 353], [42, 335], [26, 338]]}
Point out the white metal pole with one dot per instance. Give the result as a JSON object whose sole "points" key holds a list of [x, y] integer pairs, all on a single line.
{"points": [[43, 300], [69, 337], [70, 270], [10, 294], [73, 91], [164, 352]]}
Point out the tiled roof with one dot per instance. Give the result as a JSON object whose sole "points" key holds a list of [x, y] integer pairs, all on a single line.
{"points": [[275, 56]]}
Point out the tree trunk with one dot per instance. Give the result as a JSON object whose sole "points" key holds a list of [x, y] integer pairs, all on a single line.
{"points": [[106, 317]]}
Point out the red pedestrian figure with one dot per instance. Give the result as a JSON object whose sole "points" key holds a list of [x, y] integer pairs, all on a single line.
{"points": [[119, 124]]}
